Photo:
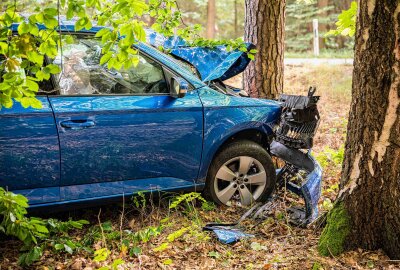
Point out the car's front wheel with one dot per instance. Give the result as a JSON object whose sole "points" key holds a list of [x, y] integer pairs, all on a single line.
{"points": [[242, 173]]}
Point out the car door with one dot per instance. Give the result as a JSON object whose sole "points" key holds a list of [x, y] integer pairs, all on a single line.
{"points": [[29, 152], [121, 131]]}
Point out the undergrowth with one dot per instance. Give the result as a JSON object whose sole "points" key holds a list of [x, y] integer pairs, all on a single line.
{"points": [[36, 234]]}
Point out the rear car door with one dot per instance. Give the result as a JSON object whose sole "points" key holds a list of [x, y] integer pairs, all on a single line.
{"points": [[121, 131], [29, 151]]}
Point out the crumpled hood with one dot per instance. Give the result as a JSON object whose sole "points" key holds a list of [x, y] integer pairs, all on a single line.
{"points": [[211, 63]]}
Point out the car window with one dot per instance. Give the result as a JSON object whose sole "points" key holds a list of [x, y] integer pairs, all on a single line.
{"points": [[82, 73]]}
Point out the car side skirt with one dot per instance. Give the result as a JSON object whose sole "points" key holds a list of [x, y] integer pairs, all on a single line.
{"points": [[41, 197]]}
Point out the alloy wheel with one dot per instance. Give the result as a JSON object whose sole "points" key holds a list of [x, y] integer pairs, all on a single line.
{"points": [[240, 180]]}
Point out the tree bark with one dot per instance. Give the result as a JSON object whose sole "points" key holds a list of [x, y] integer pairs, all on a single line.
{"points": [[370, 184], [264, 27], [235, 18], [322, 26], [211, 14]]}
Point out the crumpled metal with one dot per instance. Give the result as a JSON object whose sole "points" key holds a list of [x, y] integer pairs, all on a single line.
{"points": [[227, 234], [216, 63]]}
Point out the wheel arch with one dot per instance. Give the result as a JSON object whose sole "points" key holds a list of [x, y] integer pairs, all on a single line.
{"points": [[261, 136]]}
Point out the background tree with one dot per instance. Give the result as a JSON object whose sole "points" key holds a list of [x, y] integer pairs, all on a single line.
{"points": [[211, 16], [366, 213], [264, 27]]}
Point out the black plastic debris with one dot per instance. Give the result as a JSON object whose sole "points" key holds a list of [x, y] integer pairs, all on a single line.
{"points": [[299, 120]]}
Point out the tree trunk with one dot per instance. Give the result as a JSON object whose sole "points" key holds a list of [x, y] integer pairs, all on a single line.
{"points": [[368, 204], [235, 18], [322, 26], [211, 14], [264, 27]]}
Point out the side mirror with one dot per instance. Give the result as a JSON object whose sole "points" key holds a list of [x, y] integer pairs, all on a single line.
{"points": [[179, 87]]}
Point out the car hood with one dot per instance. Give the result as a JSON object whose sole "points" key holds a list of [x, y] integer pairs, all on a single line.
{"points": [[211, 63]]}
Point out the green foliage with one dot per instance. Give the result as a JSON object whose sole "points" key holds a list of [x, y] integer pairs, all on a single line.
{"points": [[139, 200], [317, 266], [327, 204], [176, 234], [101, 255], [208, 206], [333, 237], [34, 232], [214, 254], [186, 198], [167, 262], [257, 246], [144, 235], [331, 156], [22, 65], [161, 247], [346, 24]]}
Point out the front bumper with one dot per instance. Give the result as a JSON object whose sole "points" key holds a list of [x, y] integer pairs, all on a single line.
{"points": [[302, 175]]}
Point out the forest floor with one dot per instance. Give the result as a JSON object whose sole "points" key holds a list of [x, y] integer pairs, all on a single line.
{"points": [[173, 238]]}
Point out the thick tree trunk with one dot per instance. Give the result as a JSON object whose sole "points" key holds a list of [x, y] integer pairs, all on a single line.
{"points": [[370, 185], [211, 14], [264, 27]]}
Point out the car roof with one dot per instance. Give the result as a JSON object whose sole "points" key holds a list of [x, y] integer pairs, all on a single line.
{"points": [[68, 26]]}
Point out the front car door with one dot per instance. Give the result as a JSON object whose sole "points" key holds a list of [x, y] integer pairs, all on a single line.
{"points": [[121, 131], [29, 152]]}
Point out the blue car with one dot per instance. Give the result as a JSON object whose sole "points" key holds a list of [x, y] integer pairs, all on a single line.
{"points": [[167, 123]]}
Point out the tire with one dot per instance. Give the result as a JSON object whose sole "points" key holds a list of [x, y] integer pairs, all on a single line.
{"points": [[232, 163]]}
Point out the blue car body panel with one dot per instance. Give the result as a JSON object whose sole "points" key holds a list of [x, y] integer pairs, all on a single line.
{"points": [[311, 190], [225, 116], [132, 137], [29, 149]]}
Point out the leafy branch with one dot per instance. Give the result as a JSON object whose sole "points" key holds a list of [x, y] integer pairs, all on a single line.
{"points": [[346, 24]]}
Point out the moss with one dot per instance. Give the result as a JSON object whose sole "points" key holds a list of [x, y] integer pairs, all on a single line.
{"points": [[333, 237]]}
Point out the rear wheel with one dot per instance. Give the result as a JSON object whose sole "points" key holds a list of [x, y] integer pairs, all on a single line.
{"points": [[241, 174]]}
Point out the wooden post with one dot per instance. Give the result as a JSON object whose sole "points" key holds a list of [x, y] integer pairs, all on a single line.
{"points": [[316, 37]]}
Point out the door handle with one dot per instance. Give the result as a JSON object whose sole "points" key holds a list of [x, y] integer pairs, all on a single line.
{"points": [[77, 124]]}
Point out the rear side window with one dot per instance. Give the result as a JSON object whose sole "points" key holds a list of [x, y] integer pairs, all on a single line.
{"points": [[82, 73]]}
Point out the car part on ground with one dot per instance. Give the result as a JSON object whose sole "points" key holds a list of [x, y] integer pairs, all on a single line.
{"points": [[241, 173], [227, 234]]}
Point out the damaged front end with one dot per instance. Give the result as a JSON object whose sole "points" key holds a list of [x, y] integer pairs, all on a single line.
{"points": [[293, 141], [301, 173]]}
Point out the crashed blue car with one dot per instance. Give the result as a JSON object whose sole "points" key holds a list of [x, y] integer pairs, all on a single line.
{"points": [[168, 123]]}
